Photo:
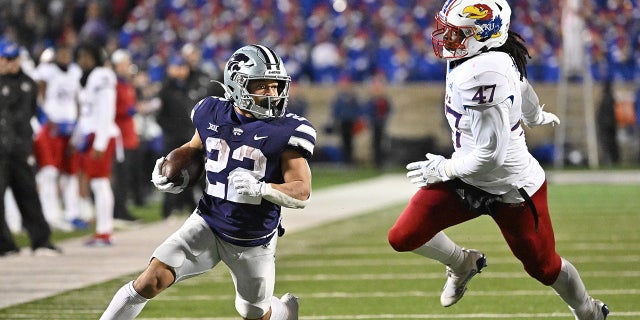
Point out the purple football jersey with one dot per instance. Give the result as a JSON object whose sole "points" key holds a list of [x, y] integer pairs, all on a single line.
{"points": [[236, 143]]}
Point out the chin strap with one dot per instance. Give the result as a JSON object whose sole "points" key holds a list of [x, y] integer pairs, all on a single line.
{"points": [[227, 93]]}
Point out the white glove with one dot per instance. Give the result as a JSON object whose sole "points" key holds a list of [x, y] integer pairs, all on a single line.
{"points": [[246, 184], [542, 119], [424, 173], [161, 182]]}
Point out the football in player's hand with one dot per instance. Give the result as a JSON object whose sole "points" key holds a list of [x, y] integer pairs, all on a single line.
{"points": [[184, 163]]}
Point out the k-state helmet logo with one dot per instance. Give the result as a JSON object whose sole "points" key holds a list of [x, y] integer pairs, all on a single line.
{"points": [[239, 61]]}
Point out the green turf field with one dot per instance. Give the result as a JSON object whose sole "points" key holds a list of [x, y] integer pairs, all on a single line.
{"points": [[346, 270]]}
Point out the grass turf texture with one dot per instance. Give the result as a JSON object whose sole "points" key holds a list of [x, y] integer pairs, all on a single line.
{"points": [[346, 270]]}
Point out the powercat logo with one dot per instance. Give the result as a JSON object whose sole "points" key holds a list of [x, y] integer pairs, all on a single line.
{"points": [[238, 62]]}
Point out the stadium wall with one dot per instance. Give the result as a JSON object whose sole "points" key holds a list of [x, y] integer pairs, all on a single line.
{"points": [[418, 120]]}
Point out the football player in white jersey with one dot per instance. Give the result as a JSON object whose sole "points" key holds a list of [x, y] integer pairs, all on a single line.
{"points": [[58, 87], [255, 157], [490, 171], [95, 136]]}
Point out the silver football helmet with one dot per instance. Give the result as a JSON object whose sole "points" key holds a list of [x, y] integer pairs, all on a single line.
{"points": [[256, 62], [464, 28]]}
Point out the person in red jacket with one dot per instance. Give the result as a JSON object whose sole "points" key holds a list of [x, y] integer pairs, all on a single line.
{"points": [[123, 172]]}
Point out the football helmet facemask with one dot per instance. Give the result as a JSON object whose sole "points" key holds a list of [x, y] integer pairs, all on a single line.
{"points": [[465, 28], [256, 62]]}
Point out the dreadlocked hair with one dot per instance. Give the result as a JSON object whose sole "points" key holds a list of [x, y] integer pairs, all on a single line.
{"points": [[514, 47]]}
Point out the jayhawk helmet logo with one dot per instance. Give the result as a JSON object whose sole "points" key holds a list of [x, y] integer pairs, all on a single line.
{"points": [[487, 25]]}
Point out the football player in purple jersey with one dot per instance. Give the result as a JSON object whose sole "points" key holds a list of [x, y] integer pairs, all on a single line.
{"points": [[255, 163]]}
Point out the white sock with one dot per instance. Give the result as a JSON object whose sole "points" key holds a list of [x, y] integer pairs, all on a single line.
{"points": [[571, 289], [86, 209], [47, 180], [70, 196], [443, 249], [126, 304], [103, 195], [278, 309], [11, 212]]}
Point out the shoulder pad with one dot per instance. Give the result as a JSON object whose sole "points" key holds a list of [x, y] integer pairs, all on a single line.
{"points": [[484, 82], [303, 136]]}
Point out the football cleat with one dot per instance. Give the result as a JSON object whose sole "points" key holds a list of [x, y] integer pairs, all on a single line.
{"points": [[61, 225], [79, 224], [602, 310], [456, 283], [47, 250], [291, 302], [99, 240]]}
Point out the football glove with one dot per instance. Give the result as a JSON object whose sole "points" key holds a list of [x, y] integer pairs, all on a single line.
{"points": [[542, 119], [246, 184], [161, 182], [424, 173]]}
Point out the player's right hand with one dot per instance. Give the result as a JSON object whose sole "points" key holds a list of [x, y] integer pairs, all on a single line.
{"points": [[161, 182]]}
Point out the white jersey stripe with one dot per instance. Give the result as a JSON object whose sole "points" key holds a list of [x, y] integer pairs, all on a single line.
{"points": [[307, 129], [302, 143]]}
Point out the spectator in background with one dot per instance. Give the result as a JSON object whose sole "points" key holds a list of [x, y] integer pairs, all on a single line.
{"points": [[378, 109], [149, 134], [95, 137], [607, 126], [19, 95], [95, 27], [298, 103], [178, 95], [58, 86], [198, 77], [346, 111], [125, 169], [325, 59]]}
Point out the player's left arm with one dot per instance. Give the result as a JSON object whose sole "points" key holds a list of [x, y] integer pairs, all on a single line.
{"points": [[532, 112]]}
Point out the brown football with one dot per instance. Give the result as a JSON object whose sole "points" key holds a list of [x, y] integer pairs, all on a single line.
{"points": [[184, 162]]}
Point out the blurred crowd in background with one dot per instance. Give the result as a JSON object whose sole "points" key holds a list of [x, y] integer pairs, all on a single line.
{"points": [[174, 48], [321, 41]]}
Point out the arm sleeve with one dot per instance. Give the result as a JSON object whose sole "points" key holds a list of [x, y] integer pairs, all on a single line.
{"points": [[490, 128], [530, 102]]}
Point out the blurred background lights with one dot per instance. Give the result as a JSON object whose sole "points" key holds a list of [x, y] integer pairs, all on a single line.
{"points": [[339, 5]]}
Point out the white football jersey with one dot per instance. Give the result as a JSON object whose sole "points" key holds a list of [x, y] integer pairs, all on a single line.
{"points": [[98, 107], [60, 99], [483, 108]]}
